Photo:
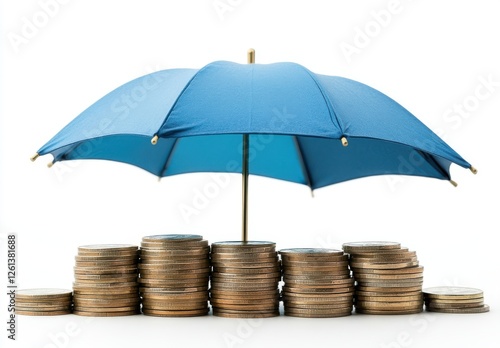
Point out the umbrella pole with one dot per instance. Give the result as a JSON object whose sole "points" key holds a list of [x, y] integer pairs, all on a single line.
{"points": [[244, 237], [244, 168]]}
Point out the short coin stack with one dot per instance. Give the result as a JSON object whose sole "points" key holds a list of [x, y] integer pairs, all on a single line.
{"points": [[318, 283], [44, 302], [245, 278], [106, 280], [454, 299], [388, 278], [174, 275]]}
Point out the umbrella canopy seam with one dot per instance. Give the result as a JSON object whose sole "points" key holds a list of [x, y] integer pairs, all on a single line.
{"points": [[328, 102]]}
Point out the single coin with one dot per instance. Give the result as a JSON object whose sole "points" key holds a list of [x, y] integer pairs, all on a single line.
{"points": [[88, 313], [482, 309], [167, 313], [388, 312], [453, 305], [172, 290], [389, 298], [353, 247], [416, 269], [241, 244], [394, 277], [386, 305], [42, 293], [107, 302], [388, 289], [244, 314], [172, 238], [378, 265], [454, 301], [38, 308], [452, 292], [43, 313], [107, 247], [317, 315]]}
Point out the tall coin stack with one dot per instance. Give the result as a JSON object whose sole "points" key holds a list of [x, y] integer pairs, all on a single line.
{"points": [[245, 278], [174, 274], [318, 283], [388, 278], [106, 280]]}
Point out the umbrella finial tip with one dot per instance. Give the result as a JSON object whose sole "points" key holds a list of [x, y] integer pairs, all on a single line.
{"points": [[454, 183], [34, 157], [344, 141], [251, 56], [154, 140], [473, 170]]}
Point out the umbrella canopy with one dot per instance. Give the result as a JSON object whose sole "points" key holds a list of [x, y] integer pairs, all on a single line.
{"points": [[297, 126]]}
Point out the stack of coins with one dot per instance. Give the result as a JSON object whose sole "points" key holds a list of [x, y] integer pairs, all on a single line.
{"points": [[388, 278], [245, 279], [318, 283], [174, 274], [454, 299], [43, 302], [106, 280]]}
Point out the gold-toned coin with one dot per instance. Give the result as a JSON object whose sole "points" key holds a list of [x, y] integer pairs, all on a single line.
{"points": [[38, 308], [388, 289], [415, 269], [272, 255], [88, 313], [318, 312], [244, 314], [79, 302], [386, 305], [481, 309], [393, 277], [106, 270], [455, 300], [418, 297], [379, 265], [242, 245], [388, 312], [333, 290], [433, 305], [43, 313], [234, 270], [173, 290], [167, 313]]}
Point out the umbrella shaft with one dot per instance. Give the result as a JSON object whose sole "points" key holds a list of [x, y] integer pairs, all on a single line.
{"points": [[244, 173]]}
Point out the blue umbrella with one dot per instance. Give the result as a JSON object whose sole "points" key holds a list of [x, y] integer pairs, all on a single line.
{"points": [[275, 120]]}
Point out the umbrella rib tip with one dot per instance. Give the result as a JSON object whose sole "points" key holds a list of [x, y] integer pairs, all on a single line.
{"points": [[154, 140], [473, 170], [50, 164], [344, 141], [454, 183], [34, 157]]}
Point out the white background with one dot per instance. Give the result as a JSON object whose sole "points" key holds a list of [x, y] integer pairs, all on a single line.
{"points": [[430, 56]]}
